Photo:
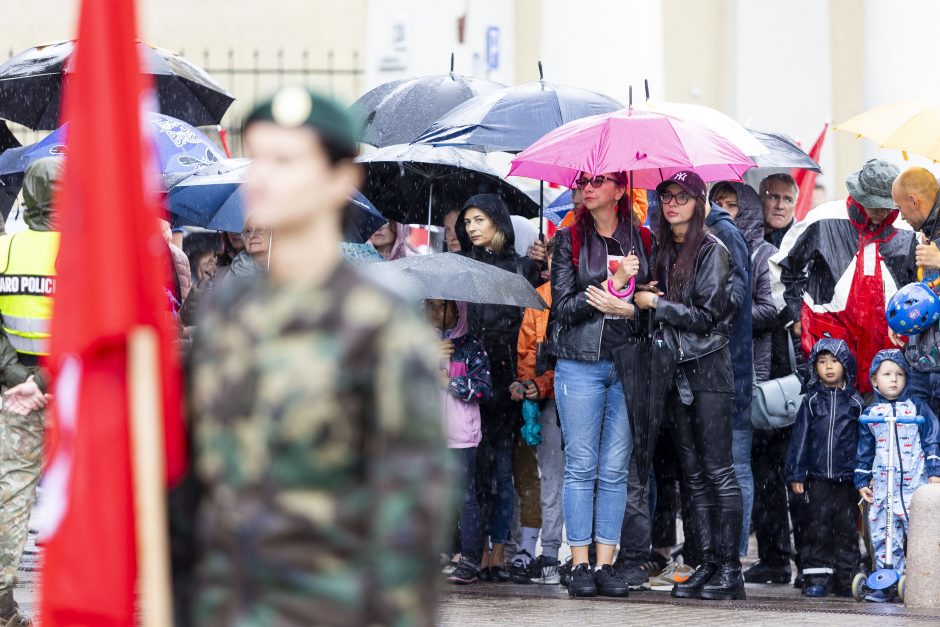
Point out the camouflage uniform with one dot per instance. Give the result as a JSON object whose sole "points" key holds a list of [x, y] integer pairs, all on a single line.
{"points": [[318, 455], [21, 437]]}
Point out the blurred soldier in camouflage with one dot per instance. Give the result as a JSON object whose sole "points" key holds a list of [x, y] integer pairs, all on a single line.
{"points": [[318, 456], [27, 285]]}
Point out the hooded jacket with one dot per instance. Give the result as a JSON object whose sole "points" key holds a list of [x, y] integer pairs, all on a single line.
{"points": [[904, 405], [469, 371], [825, 434], [38, 191], [719, 222], [764, 321], [496, 326], [532, 333]]}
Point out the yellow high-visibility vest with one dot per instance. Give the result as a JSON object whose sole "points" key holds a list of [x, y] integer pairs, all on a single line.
{"points": [[27, 286]]}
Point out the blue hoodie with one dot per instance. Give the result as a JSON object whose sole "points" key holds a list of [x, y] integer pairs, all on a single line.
{"points": [[904, 404], [825, 435], [721, 225]]}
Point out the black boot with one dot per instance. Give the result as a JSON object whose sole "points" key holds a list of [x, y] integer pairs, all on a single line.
{"points": [[727, 584], [704, 529]]}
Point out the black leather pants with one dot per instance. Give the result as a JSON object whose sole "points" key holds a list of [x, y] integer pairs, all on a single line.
{"points": [[702, 435]]}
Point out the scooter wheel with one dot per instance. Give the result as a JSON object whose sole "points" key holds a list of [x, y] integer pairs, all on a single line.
{"points": [[901, 583], [858, 587]]}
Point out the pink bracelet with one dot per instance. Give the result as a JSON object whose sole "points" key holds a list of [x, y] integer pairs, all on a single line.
{"points": [[630, 287]]}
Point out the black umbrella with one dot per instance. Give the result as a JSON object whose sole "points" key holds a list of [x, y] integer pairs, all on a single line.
{"points": [[647, 370], [513, 118], [449, 276], [9, 185], [397, 112], [784, 153], [31, 83], [417, 184]]}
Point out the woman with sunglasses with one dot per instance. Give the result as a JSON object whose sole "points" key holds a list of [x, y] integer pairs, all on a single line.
{"points": [[693, 318], [595, 261]]}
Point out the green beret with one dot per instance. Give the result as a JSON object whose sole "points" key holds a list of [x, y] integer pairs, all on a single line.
{"points": [[294, 106]]}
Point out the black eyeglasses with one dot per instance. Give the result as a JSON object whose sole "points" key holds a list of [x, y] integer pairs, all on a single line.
{"points": [[681, 198], [595, 182]]}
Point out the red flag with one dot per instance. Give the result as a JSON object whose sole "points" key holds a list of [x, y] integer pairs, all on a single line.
{"points": [[806, 179], [112, 267]]}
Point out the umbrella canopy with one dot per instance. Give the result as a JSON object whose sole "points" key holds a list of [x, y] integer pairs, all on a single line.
{"points": [[782, 152], [31, 85], [560, 207], [10, 184], [909, 125], [513, 118], [449, 276], [397, 112], [180, 148], [713, 120], [210, 198], [652, 145], [419, 184]]}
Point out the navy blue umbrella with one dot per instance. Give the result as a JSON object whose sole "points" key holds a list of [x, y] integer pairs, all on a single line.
{"points": [[396, 112], [180, 149], [31, 85], [559, 207], [211, 198]]}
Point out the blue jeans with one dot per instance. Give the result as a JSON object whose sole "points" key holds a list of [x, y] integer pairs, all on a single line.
{"points": [[471, 518], [741, 452], [494, 475], [598, 443]]}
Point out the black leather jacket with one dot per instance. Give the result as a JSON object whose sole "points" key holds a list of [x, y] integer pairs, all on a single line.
{"points": [[701, 323], [576, 328]]}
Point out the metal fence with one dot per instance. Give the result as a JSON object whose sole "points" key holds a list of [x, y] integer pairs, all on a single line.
{"points": [[249, 82]]}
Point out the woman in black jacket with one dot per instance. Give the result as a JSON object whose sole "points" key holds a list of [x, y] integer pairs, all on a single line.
{"points": [[485, 232], [594, 261], [693, 315]]}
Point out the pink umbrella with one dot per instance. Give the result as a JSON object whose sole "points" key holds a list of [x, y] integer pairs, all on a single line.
{"points": [[652, 146]]}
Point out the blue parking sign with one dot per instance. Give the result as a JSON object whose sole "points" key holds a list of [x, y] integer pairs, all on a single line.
{"points": [[492, 47]]}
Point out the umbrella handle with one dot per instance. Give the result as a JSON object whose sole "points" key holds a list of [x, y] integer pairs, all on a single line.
{"points": [[631, 287]]}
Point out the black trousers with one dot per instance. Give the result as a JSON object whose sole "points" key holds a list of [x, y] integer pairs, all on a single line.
{"points": [[831, 550], [702, 434], [774, 504], [668, 475]]}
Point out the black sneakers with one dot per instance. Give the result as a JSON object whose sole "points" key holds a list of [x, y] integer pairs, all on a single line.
{"points": [[765, 573], [581, 582], [520, 571], [544, 570], [634, 574], [610, 583], [465, 572]]}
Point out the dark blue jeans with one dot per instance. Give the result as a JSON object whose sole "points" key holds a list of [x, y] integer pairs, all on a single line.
{"points": [[494, 473], [471, 518]]}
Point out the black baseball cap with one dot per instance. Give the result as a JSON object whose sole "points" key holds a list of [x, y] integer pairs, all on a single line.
{"points": [[691, 183]]}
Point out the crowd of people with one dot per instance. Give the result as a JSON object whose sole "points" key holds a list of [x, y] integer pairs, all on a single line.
{"points": [[327, 424]]}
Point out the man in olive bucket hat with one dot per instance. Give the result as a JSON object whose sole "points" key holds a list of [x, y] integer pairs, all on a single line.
{"points": [[321, 474], [856, 253]]}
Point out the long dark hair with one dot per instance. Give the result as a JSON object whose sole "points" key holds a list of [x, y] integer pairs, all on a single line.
{"points": [[675, 269]]}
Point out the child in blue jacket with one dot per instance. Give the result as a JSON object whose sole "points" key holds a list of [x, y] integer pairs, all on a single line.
{"points": [[916, 458], [820, 465]]}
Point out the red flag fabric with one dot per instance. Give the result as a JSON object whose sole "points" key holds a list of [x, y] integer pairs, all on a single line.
{"points": [[112, 269], [806, 179]]}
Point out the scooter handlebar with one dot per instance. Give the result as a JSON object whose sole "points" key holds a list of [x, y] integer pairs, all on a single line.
{"points": [[870, 420]]}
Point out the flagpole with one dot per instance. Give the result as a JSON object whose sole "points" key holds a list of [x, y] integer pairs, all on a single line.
{"points": [[147, 455]]}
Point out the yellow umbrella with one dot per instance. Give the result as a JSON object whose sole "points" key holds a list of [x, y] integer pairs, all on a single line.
{"points": [[908, 125]]}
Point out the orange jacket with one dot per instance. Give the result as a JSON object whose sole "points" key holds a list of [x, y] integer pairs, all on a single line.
{"points": [[531, 333]]}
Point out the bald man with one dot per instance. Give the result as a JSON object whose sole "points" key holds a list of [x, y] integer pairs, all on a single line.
{"points": [[916, 192]]}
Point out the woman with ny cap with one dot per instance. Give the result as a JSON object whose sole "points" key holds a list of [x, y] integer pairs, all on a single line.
{"points": [[692, 317]]}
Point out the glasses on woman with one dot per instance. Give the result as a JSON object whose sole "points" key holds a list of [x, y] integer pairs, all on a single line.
{"points": [[249, 232], [681, 198], [595, 182]]}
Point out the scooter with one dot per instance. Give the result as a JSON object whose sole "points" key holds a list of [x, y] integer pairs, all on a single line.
{"points": [[887, 579]]}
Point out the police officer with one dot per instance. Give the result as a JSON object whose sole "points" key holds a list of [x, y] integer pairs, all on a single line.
{"points": [[27, 285]]}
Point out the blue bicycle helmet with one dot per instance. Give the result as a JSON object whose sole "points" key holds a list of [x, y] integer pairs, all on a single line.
{"points": [[913, 309]]}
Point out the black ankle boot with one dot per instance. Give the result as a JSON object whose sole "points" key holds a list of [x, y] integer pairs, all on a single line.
{"points": [[727, 584], [691, 588]]}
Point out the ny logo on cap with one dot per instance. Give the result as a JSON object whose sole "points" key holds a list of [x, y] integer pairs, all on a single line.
{"points": [[680, 176]]}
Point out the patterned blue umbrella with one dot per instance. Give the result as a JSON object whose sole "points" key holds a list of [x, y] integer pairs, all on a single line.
{"points": [[180, 149]]}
